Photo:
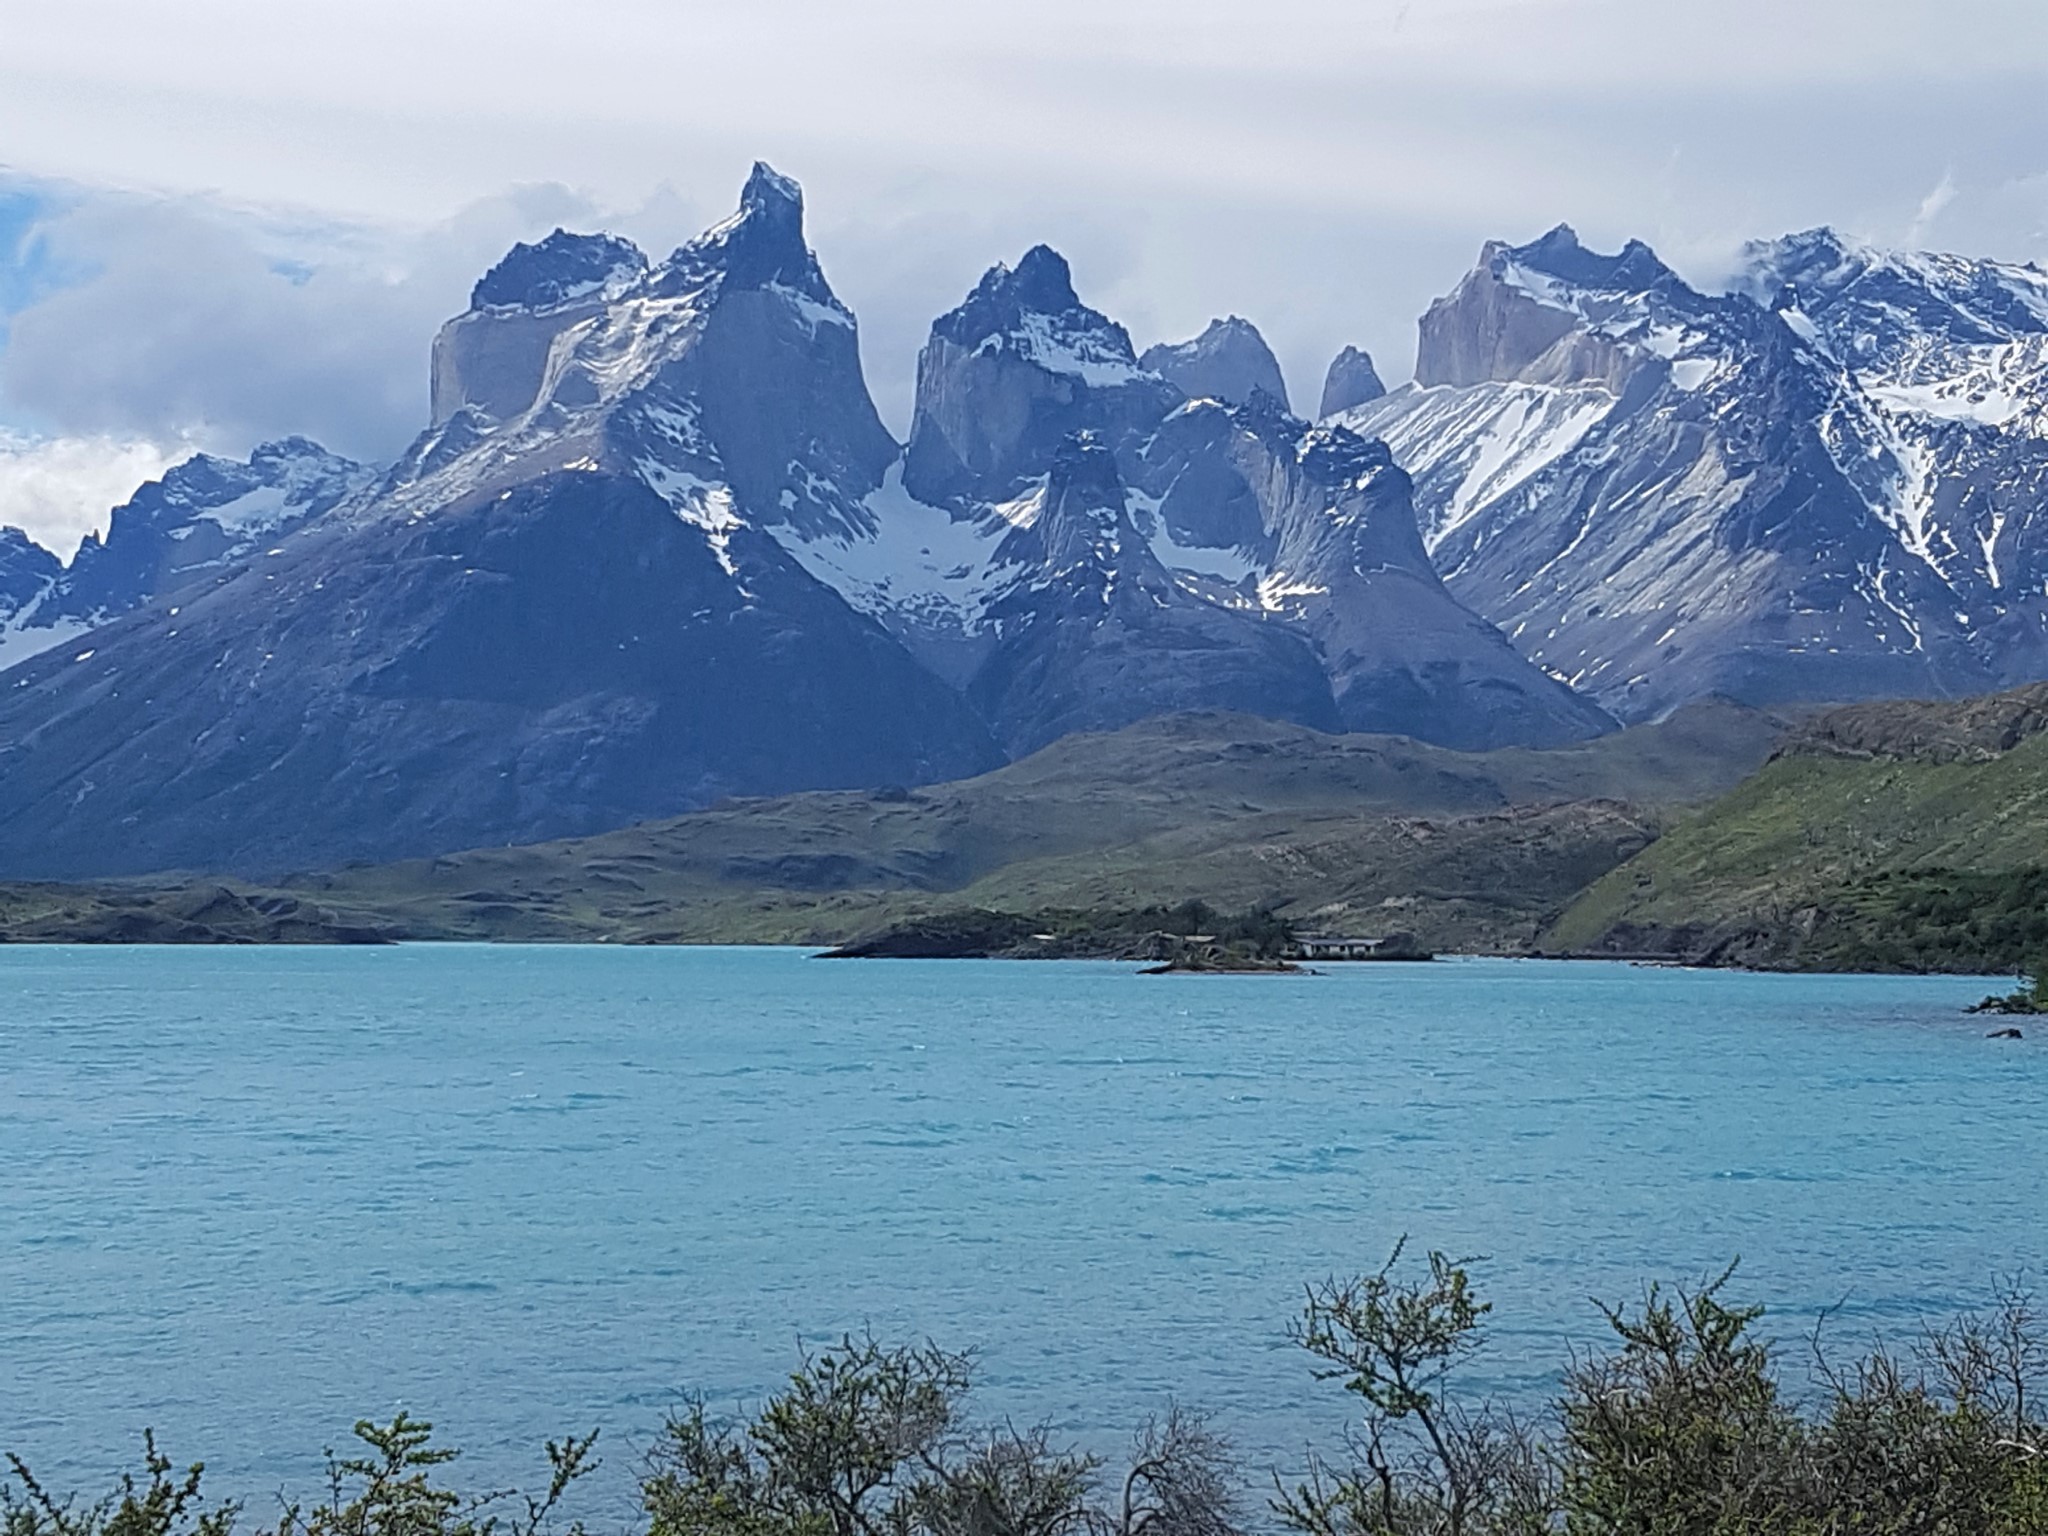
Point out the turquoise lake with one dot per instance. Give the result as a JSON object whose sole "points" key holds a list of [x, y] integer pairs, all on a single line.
{"points": [[250, 1196]]}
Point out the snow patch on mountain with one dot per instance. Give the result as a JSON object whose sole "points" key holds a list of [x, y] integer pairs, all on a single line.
{"points": [[1098, 357], [1470, 449], [921, 565]]}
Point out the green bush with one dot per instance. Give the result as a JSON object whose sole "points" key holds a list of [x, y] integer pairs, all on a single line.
{"points": [[1683, 1425]]}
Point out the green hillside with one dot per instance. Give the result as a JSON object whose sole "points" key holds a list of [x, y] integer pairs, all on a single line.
{"points": [[1463, 849], [1888, 836]]}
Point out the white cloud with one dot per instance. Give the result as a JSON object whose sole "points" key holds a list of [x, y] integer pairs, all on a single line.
{"points": [[198, 321], [1325, 167], [59, 490], [1930, 209]]}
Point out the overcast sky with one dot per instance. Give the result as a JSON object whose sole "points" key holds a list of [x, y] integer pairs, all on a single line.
{"points": [[225, 220]]}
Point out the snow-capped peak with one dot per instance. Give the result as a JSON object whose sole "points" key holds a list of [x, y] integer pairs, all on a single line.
{"points": [[1556, 265], [561, 269], [726, 377], [762, 245], [1032, 312], [1875, 305]]}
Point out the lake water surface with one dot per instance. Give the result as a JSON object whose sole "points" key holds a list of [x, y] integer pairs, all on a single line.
{"points": [[248, 1196]]}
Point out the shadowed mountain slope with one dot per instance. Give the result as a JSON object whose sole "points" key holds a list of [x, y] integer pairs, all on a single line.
{"points": [[565, 656]]}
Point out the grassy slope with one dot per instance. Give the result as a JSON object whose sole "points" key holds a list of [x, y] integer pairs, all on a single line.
{"points": [[1882, 839], [1463, 849]]}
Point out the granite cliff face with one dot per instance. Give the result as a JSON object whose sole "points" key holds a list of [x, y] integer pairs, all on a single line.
{"points": [[1229, 361], [726, 376], [1011, 374], [1823, 484], [1351, 382]]}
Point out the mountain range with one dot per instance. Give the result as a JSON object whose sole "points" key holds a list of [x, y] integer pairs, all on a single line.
{"points": [[655, 547], [1830, 482]]}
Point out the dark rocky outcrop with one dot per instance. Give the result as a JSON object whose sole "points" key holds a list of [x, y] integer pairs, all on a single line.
{"points": [[1928, 731], [27, 571]]}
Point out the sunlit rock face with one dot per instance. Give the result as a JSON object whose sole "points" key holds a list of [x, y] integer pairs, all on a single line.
{"points": [[1011, 373]]}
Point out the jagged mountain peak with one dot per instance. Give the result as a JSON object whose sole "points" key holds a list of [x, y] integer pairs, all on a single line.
{"points": [[1351, 382], [563, 268], [1229, 361], [1041, 283], [186, 529], [1560, 254], [727, 379], [767, 187], [300, 459], [761, 245], [27, 572], [1554, 312], [1083, 520], [1872, 303], [1093, 632], [1033, 311], [1010, 373], [1340, 457], [1085, 465], [1823, 482], [205, 482], [1822, 244]]}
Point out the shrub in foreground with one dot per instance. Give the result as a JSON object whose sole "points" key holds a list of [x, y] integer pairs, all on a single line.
{"points": [[1682, 1425]]}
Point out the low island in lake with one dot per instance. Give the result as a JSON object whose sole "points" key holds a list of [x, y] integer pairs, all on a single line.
{"points": [[1188, 938]]}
